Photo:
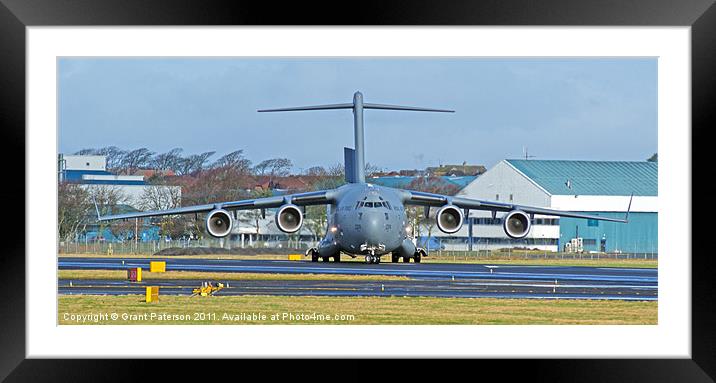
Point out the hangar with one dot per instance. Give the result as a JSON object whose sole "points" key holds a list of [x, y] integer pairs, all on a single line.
{"points": [[594, 187]]}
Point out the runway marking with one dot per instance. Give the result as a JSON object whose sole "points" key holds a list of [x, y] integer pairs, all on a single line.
{"points": [[369, 271]]}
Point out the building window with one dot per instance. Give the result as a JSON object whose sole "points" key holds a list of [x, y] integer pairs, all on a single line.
{"points": [[497, 197], [511, 197], [592, 222]]}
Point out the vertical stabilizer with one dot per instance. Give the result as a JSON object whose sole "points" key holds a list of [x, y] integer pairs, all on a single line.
{"points": [[359, 164]]}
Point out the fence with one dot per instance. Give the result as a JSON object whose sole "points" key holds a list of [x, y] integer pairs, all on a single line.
{"points": [[532, 254], [152, 247]]}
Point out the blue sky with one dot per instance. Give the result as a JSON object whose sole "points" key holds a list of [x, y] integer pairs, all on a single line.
{"points": [[591, 109]]}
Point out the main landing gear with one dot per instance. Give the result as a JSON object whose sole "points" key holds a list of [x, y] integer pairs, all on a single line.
{"points": [[315, 256], [395, 258], [372, 259]]}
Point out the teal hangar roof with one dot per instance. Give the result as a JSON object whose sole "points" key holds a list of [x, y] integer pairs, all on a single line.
{"points": [[560, 177]]}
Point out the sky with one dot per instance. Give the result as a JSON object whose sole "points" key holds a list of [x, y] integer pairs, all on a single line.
{"points": [[576, 109]]}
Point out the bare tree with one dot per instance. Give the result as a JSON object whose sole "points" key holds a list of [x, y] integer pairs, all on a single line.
{"points": [[316, 221], [86, 152], [163, 197], [274, 167], [136, 159], [316, 171], [160, 197], [337, 170], [167, 161], [73, 208], [235, 161], [114, 156], [106, 197], [194, 163], [371, 169]]}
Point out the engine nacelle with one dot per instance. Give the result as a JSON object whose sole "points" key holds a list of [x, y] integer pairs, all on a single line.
{"points": [[219, 223], [289, 218], [517, 224], [449, 219]]}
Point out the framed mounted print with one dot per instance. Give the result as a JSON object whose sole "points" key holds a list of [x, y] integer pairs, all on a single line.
{"points": [[454, 181]]}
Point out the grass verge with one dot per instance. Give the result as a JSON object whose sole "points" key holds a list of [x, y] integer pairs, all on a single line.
{"points": [[131, 309]]}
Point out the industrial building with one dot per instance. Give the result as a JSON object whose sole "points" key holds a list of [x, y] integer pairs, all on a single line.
{"points": [[90, 171], [594, 187]]}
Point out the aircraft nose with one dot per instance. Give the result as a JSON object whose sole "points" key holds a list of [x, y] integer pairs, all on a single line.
{"points": [[373, 225]]}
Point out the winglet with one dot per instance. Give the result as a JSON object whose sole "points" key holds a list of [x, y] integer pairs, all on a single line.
{"points": [[96, 208], [626, 217]]}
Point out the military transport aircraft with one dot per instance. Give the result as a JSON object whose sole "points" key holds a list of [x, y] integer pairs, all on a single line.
{"points": [[364, 219]]}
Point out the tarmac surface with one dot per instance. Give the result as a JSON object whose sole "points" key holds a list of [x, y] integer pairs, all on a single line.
{"points": [[426, 279]]}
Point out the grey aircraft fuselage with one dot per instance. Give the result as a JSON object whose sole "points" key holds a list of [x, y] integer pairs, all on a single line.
{"points": [[367, 219]]}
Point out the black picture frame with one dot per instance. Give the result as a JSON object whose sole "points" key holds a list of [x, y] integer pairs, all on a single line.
{"points": [[700, 15]]}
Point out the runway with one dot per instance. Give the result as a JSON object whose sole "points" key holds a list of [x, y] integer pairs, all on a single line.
{"points": [[425, 279]]}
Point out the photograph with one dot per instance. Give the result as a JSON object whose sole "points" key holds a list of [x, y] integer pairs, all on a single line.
{"points": [[463, 180], [361, 190]]}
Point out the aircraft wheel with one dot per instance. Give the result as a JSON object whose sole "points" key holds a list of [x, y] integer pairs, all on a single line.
{"points": [[337, 258], [368, 259], [314, 254], [417, 257], [376, 259], [325, 259], [394, 258], [406, 259]]}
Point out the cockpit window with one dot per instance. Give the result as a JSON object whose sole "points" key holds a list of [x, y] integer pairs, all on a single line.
{"points": [[375, 204]]}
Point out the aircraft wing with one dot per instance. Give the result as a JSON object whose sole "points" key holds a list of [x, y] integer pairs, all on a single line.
{"points": [[430, 199], [301, 199]]}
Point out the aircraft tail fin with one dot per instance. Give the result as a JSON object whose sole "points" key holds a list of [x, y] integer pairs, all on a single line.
{"points": [[349, 156], [355, 158]]}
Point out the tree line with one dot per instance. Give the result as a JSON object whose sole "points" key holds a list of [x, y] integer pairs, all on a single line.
{"points": [[200, 181]]}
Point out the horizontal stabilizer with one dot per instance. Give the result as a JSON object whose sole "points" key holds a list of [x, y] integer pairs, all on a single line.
{"points": [[409, 108], [313, 107]]}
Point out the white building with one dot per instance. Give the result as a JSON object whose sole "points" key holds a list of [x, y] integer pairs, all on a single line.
{"points": [[91, 171], [599, 187]]}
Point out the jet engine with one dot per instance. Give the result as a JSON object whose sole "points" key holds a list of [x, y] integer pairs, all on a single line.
{"points": [[219, 223], [449, 219], [289, 218], [516, 224]]}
